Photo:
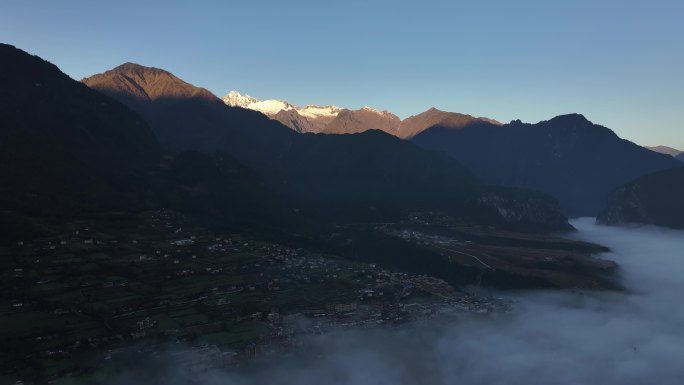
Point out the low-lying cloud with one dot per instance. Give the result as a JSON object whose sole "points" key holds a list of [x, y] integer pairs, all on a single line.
{"points": [[551, 338]]}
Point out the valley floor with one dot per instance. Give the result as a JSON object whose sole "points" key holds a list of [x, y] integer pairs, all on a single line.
{"points": [[86, 300]]}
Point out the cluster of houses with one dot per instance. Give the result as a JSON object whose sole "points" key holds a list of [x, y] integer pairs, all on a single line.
{"points": [[369, 295]]}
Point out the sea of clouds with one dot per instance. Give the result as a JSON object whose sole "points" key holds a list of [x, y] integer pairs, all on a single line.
{"points": [[550, 338]]}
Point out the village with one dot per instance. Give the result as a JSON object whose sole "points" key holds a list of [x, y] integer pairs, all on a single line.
{"points": [[86, 297]]}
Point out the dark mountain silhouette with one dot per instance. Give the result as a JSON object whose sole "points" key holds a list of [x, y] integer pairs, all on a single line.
{"points": [[64, 146], [576, 161], [680, 157], [68, 151], [375, 176], [358, 176], [370, 171], [657, 199]]}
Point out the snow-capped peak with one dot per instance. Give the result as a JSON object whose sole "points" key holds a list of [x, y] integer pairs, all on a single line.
{"points": [[268, 107], [310, 118], [236, 99], [272, 107]]}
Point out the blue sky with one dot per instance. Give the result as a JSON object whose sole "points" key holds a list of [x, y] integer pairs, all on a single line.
{"points": [[620, 63]]}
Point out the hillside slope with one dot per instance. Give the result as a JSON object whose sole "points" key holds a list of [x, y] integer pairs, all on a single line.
{"points": [[656, 199], [569, 157], [370, 176], [64, 146]]}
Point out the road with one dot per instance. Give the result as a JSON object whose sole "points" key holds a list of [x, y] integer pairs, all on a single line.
{"points": [[469, 255]]}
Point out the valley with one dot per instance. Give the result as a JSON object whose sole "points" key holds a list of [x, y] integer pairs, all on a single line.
{"points": [[412, 193], [88, 295]]}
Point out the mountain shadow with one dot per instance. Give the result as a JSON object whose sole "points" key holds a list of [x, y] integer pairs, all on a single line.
{"points": [[68, 151], [569, 157], [64, 146], [185, 117], [371, 175]]}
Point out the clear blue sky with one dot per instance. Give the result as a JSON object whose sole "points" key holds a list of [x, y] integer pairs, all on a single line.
{"points": [[620, 63]]}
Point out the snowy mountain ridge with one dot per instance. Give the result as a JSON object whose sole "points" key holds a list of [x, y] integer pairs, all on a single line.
{"points": [[271, 107], [335, 120], [310, 118]]}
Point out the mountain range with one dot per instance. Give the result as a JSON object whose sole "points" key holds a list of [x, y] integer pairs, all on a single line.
{"points": [[309, 118], [139, 136], [69, 151], [335, 120], [133, 194], [578, 162], [185, 117], [364, 175]]}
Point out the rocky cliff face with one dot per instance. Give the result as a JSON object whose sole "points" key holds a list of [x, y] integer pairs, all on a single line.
{"points": [[414, 125], [292, 119], [366, 118], [625, 207], [656, 199], [526, 209]]}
